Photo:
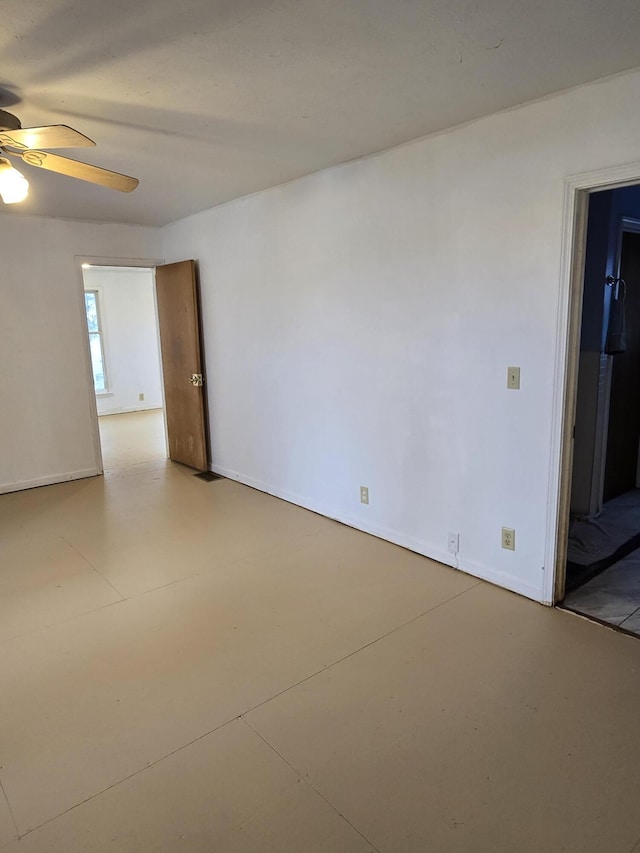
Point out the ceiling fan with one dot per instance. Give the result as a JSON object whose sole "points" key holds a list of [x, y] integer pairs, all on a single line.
{"points": [[28, 143]]}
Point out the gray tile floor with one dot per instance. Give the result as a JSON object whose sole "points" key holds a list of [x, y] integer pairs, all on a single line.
{"points": [[612, 596], [595, 539]]}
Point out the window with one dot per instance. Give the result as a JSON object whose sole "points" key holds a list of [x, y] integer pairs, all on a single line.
{"points": [[96, 346]]}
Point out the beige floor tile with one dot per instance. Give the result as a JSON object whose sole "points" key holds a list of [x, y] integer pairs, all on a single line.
{"points": [[227, 792], [116, 521], [7, 826], [99, 697], [153, 537], [42, 510], [132, 437], [343, 586], [491, 723], [43, 581]]}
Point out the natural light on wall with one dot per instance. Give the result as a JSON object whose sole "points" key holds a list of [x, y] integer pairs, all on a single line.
{"points": [[14, 186]]}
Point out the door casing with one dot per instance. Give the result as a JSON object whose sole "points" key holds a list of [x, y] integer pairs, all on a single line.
{"points": [[569, 315]]}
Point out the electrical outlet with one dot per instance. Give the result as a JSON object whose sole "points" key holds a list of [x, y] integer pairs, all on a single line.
{"points": [[364, 494], [141, 396], [453, 542], [509, 538], [513, 378]]}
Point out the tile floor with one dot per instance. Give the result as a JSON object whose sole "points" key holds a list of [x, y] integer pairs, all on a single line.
{"points": [[201, 667], [594, 544], [612, 596]]}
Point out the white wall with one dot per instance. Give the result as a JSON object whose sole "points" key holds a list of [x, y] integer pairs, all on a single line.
{"points": [[359, 324], [46, 401], [130, 338]]}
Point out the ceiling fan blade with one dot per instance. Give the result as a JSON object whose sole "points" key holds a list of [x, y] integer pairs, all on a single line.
{"points": [[82, 171], [52, 136]]}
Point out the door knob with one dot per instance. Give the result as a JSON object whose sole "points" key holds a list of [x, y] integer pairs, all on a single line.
{"points": [[196, 379]]}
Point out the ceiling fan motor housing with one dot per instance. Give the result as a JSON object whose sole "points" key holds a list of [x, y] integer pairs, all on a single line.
{"points": [[9, 121]]}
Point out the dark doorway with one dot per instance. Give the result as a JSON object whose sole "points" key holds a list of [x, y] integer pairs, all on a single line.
{"points": [[624, 409], [603, 553]]}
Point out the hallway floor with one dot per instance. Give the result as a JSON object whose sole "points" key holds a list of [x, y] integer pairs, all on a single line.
{"points": [[202, 667], [132, 437], [603, 579], [613, 596]]}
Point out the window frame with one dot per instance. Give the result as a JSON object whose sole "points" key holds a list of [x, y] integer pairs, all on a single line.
{"points": [[101, 337]]}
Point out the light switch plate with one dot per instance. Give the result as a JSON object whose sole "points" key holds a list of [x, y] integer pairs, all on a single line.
{"points": [[513, 378]]}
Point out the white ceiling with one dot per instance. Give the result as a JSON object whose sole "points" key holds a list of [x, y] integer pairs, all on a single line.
{"points": [[207, 100]]}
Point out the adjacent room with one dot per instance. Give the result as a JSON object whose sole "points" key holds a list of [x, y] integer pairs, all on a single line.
{"points": [[603, 558], [317, 392], [125, 362]]}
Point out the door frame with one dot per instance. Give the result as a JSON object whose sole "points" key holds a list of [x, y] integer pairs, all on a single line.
{"points": [[79, 260], [577, 189]]}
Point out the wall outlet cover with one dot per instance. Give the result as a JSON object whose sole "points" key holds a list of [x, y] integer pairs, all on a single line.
{"points": [[364, 494], [509, 538], [453, 542]]}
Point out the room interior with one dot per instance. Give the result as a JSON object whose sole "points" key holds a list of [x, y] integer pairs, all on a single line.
{"points": [[380, 202]]}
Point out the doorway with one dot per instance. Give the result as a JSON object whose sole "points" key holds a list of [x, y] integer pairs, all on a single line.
{"points": [[601, 571], [170, 340], [126, 366]]}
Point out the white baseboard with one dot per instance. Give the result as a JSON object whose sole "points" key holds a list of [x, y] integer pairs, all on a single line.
{"points": [[419, 546], [49, 480], [123, 410], [502, 579]]}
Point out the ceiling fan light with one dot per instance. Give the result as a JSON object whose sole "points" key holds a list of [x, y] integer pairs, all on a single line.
{"points": [[14, 187]]}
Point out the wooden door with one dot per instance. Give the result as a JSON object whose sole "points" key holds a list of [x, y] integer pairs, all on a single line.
{"points": [[179, 322], [624, 411]]}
